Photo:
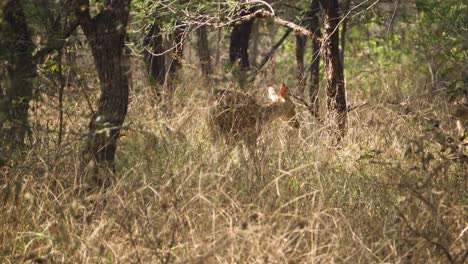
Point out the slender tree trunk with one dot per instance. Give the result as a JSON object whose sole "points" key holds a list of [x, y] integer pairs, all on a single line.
{"points": [[218, 46], [343, 31], [300, 70], [314, 26], [336, 94], [107, 44], [69, 52], [239, 44], [20, 70], [255, 43], [176, 57], [204, 51], [61, 83], [154, 59]]}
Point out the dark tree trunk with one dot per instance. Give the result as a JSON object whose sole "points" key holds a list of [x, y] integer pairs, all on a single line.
{"points": [[204, 51], [154, 59], [20, 58], [176, 57], [343, 31], [61, 83], [314, 26], [239, 44], [20, 71], [107, 43], [300, 70], [336, 94]]}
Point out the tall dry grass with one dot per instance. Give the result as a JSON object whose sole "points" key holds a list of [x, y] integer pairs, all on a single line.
{"points": [[393, 192]]}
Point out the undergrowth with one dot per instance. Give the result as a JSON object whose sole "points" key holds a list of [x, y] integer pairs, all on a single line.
{"points": [[394, 191]]}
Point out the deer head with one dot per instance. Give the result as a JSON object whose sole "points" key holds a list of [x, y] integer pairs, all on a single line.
{"points": [[282, 107]]}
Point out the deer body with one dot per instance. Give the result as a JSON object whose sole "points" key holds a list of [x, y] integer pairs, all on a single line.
{"points": [[236, 117]]}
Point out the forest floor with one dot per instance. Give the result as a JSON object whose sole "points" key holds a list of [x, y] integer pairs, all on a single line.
{"points": [[394, 191]]}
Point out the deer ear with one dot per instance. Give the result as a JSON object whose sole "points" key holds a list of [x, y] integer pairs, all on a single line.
{"points": [[284, 91], [272, 94]]}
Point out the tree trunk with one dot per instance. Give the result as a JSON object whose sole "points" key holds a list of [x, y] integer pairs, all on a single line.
{"points": [[314, 26], [154, 59], [255, 43], [218, 46], [107, 44], [204, 51], [176, 57], [61, 83], [336, 95], [343, 31], [239, 44], [20, 70], [300, 71]]}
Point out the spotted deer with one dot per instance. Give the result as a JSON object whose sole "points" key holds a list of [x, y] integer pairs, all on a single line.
{"points": [[236, 117]]}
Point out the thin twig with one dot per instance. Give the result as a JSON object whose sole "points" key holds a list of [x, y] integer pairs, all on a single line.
{"points": [[356, 107], [61, 87], [308, 106]]}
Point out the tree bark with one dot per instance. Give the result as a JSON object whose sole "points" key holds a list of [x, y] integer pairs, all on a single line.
{"points": [[204, 51], [106, 35], [239, 44], [176, 57], [255, 43], [314, 26], [267, 14], [336, 95], [61, 83], [343, 31], [218, 46], [300, 70], [20, 70], [153, 57]]}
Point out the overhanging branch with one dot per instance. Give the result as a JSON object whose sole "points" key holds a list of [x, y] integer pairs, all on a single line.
{"points": [[262, 13]]}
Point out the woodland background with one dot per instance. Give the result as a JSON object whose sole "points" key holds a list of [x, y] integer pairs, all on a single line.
{"points": [[105, 155]]}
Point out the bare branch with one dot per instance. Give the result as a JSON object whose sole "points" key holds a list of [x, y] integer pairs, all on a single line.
{"points": [[262, 13], [273, 49]]}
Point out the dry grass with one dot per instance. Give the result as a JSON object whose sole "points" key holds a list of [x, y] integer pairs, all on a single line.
{"points": [[394, 192]]}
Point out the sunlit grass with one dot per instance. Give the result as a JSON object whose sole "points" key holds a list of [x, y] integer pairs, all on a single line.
{"points": [[390, 193]]}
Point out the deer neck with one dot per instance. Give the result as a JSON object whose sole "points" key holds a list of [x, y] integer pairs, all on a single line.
{"points": [[271, 112]]}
